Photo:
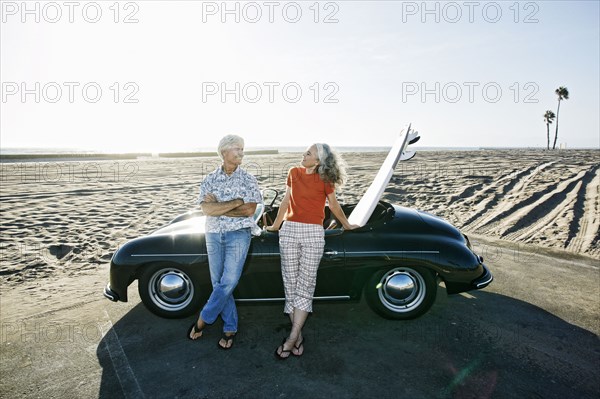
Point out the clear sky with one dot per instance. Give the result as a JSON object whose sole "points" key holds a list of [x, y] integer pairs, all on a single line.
{"points": [[178, 75]]}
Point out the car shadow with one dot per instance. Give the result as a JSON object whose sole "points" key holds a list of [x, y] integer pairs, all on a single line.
{"points": [[480, 345]]}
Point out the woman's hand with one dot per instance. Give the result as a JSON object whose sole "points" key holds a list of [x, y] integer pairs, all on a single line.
{"points": [[272, 228], [352, 227]]}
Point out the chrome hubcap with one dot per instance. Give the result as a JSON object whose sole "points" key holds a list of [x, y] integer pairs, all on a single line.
{"points": [[402, 289], [171, 289]]}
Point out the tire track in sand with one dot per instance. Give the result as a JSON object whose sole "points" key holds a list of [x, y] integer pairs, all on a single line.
{"points": [[527, 222], [498, 197], [585, 227]]}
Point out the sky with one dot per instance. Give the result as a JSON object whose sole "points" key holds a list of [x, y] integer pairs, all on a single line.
{"points": [[164, 76]]}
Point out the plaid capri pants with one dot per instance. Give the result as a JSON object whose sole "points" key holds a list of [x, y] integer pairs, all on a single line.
{"points": [[301, 247]]}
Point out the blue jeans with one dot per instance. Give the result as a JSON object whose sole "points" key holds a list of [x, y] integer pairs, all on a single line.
{"points": [[226, 256]]}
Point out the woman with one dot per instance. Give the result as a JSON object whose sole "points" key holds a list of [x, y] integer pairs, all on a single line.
{"points": [[302, 238]]}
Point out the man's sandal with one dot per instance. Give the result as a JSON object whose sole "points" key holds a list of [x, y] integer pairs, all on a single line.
{"points": [[226, 338], [194, 328]]}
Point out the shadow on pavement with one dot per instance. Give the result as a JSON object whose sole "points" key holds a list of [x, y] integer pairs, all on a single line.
{"points": [[482, 346]]}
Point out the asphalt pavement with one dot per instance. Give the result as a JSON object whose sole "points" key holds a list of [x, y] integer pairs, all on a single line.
{"points": [[532, 334]]}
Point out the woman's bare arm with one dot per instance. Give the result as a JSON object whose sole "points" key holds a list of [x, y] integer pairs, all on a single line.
{"points": [[281, 212], [336, 209]]}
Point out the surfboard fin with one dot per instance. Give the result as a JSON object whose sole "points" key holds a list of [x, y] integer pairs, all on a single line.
{"points": [[406, 155], [413, 137]]}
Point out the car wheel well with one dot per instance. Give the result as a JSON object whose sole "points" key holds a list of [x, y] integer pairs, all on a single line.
{"points": [[144, 266]]}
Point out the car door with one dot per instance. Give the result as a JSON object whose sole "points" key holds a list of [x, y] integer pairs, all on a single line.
{"points": [[332, 281], [261, 277]]}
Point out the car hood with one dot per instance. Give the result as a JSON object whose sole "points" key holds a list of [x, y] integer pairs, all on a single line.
{"points": [[193, 225], [440, 225], [413, 220]]}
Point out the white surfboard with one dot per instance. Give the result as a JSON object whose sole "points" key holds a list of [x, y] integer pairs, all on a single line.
{"points": [[365, 207]]}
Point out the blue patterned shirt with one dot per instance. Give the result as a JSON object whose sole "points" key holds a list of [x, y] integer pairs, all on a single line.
{"points": [[240, 184]]}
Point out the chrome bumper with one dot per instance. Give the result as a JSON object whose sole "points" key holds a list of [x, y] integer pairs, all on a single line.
{"points": [[484, 280], [110, 294]]}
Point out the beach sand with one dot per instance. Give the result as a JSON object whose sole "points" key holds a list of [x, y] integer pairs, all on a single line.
{"points": [[535, 327], [69, 217]]}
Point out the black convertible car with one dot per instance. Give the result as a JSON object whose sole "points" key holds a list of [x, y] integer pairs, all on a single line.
{"points": [[396, 259]]}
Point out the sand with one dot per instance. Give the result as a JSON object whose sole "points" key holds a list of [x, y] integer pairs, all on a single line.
{"points": [[70, 216], [532, 333]]}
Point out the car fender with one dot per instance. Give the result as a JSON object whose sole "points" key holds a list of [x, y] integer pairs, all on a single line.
{"points": [[130, 259]]}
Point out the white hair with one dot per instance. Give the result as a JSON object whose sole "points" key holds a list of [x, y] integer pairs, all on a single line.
{"points": [[332, 167], [228, 142]]}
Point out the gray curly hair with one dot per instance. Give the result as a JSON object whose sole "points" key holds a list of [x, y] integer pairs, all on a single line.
{"points": [[332, 167]]}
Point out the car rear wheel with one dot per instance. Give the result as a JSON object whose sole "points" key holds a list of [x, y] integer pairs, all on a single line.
{"points": [[169, 291], [401, 293]]}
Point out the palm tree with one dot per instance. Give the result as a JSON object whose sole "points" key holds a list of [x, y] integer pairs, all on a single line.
{"points": [[548, 118], [563, 94]]}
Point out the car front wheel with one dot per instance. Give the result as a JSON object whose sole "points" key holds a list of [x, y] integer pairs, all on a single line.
{"points": [[401, 293], [169, 291]]}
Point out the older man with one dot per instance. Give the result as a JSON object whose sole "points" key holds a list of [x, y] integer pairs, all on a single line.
{"points": [[228, 196]]}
